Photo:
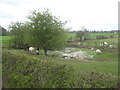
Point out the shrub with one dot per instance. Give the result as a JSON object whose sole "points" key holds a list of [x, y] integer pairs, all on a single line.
{"points": [[24, 71], [93, 79]]}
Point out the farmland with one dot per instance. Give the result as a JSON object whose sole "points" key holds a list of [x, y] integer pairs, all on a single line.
{"points": [[106, 62], [94, 34]]}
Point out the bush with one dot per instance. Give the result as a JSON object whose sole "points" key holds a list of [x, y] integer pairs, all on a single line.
{"points": [[24, 71], [93, 79], [101, 37]]}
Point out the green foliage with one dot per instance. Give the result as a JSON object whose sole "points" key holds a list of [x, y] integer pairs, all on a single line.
{"points": [[82, 34], [47, 31], [24, 71], [95, 79], [18, 33]]}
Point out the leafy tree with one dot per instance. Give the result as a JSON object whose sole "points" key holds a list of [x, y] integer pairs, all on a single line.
{"points": [[82, 34], [17, 31], [47, 32]]}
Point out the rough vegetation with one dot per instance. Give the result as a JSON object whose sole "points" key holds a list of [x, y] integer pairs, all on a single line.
{"points": [[25, 71], [60, 59]]}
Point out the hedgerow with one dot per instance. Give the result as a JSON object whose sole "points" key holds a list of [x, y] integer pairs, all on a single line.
{"points": [[25, 71]]}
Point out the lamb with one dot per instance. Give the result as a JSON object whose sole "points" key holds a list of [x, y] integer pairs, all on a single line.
{"points": [[98, 51]]}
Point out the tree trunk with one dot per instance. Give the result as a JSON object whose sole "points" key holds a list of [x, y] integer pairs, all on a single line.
{"points": [[37, 52], [80, 39], [45, 51]]}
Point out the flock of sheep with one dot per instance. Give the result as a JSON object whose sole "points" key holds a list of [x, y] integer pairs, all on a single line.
{"points": [[104, 44], [98, 51]]}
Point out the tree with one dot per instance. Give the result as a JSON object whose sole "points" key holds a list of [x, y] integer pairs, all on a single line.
{"points": [[47, 32], [17, 31], [82, 34]]}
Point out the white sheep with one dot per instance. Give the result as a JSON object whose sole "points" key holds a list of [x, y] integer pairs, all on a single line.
{"points": [[79, 43], [98, 51], [31, 49], [105, 44], [112, 46], [92, 49], [101, 44], [84, 43]]}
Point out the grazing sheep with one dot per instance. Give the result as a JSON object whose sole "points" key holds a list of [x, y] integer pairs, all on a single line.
{"points": [[92, 49], [98, 51], [79, 43], [112, 46], [37, 52], [101, 45], [84, 43], [105, 44], [31, 49]]}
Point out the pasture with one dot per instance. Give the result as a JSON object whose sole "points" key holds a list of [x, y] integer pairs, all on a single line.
{"points": [[106, 62], [5, 40], [94, 34]]}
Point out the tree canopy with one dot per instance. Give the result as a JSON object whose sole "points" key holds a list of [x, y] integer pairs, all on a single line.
{"points": [[47, 32], [17, 30], [82, 34]]}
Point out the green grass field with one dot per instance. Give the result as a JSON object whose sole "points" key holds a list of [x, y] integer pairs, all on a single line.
{"points": [[5, 40], [105, 34], [110, 41], [101, 63], [93, 34], [106, 62]]}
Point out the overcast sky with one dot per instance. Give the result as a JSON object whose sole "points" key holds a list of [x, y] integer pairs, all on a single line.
{"points": [[92, 14]]}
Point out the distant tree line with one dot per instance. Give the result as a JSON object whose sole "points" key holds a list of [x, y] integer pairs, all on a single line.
{"points": [[94, 31]]}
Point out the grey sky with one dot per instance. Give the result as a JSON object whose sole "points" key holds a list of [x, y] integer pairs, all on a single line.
{"points": [[92, 14]]}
